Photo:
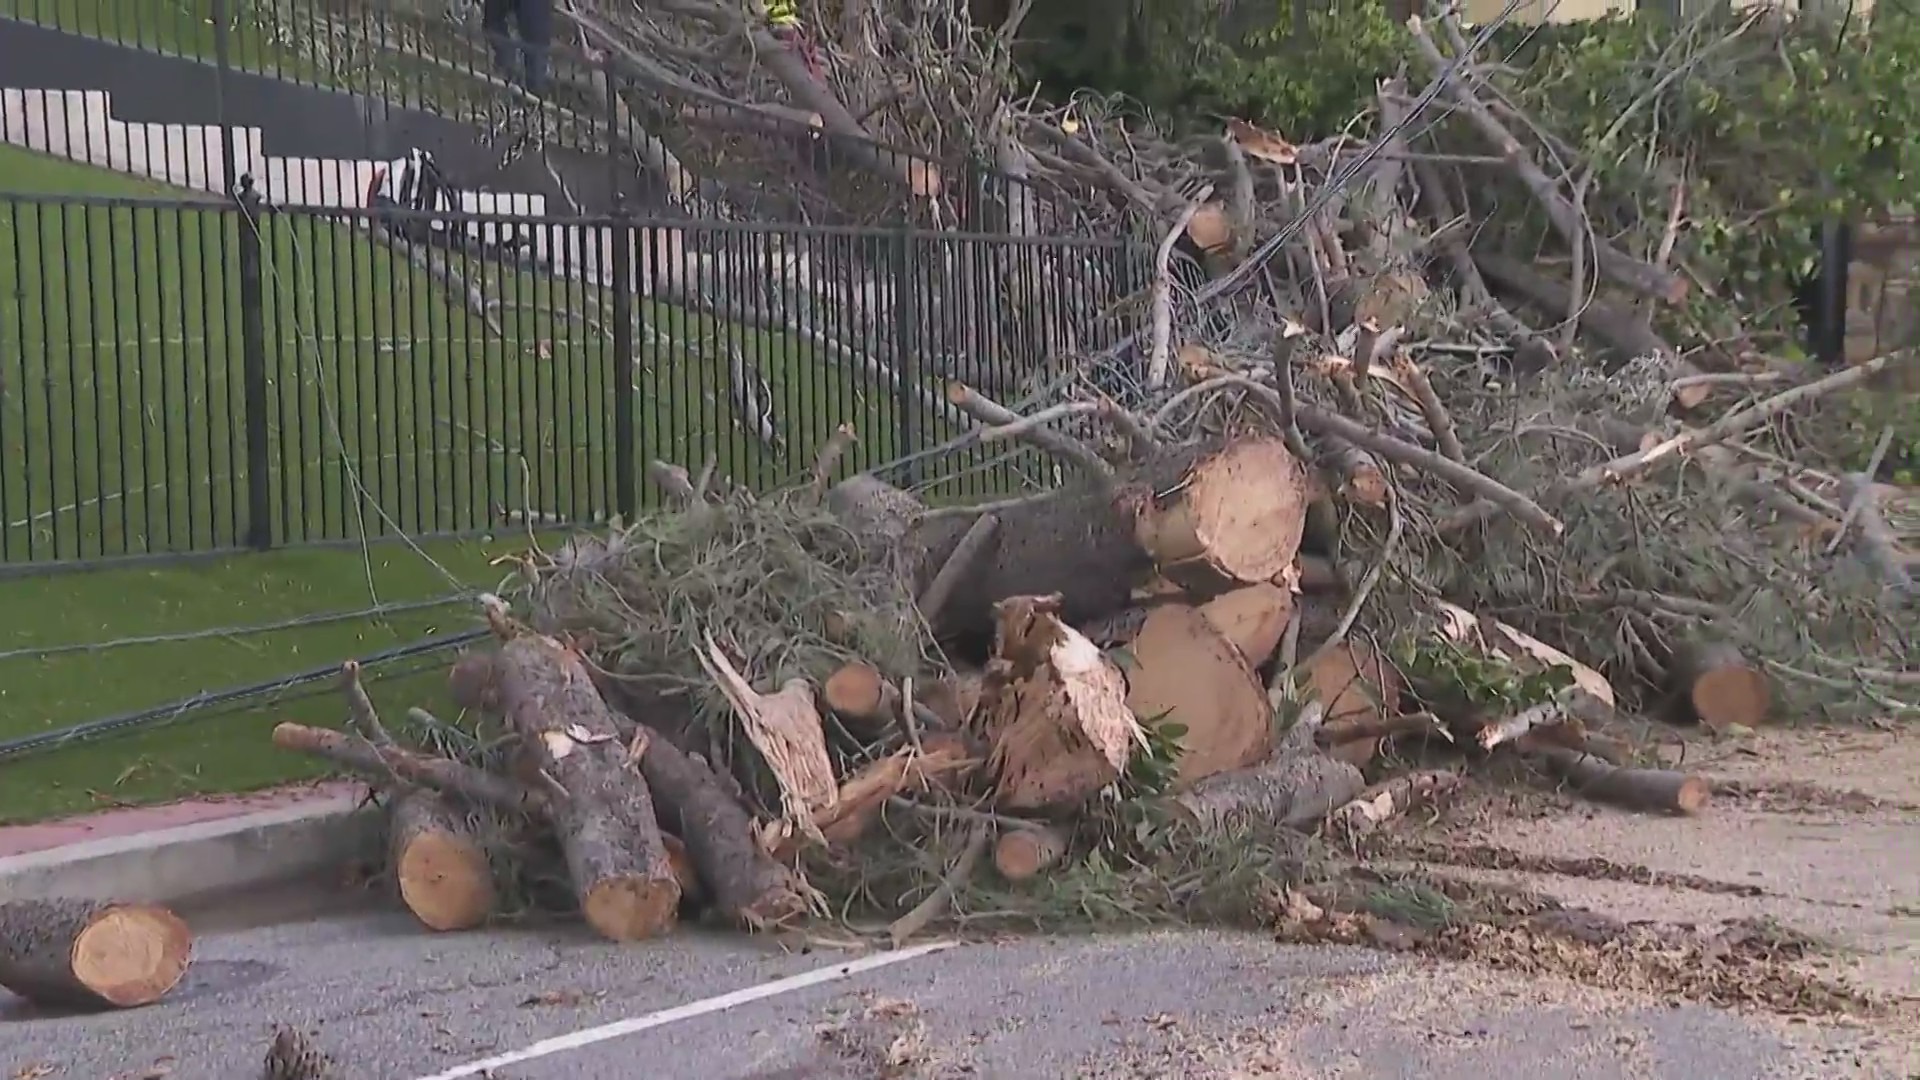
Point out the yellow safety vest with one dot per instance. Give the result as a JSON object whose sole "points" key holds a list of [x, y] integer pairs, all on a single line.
{"points": [[783, 14]]}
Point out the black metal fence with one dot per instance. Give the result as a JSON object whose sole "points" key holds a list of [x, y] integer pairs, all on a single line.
{"points": [[198, 376]]}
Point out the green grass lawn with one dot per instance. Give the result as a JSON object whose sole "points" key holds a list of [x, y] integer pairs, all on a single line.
{"points": [[389, 407], [122, 424]]}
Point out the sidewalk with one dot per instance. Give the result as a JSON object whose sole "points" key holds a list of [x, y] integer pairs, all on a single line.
{"points": [[194, 848]]}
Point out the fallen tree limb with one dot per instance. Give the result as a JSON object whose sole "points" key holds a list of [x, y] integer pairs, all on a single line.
{"points": [[1390, 799], [397, 766], [91, 954], [439, 866], [1647, 790]]}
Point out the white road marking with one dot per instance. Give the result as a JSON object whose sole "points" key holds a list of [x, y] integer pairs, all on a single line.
{"points": [[562, 1043]]}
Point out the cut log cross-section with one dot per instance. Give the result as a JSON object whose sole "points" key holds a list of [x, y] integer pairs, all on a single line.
{"points": [[86, 954], [439, 867], [1184, 671], [606, 823], [1360, 690], [1718, 685], [1236, 518], [862, 698], [1024, 853], [1253, 618]]}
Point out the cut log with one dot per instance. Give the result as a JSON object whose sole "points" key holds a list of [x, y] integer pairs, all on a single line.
{"points": [[1383, 802], [745, 884], [1648, 790], [693, 892], [90, 954], [1210, 228], [606, 823], [1236, 517], [785, 728], [1057, 725], [862, 698], [1295, 788], [1360, 690], [1253, 618], [1718, 686], [439, 866], [1024, 853], [386, 766], [1181, 670]]}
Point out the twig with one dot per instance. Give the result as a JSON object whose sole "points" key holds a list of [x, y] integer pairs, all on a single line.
{"points": [[910, 722], [993, 414], [829, 456], [959, 564], [360, 707], [1284, 344], [1439, 421], [1862, 493], [1162, 354], [1026, 425], [1395, 523], [942, 896], [673, 480]]}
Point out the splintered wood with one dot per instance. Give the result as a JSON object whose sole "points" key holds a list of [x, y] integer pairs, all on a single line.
{"points": [[1058, 727], [785, 728], [91, 954]]}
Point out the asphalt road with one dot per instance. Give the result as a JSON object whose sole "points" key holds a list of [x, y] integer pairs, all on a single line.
{"points": [[390, 1002]]}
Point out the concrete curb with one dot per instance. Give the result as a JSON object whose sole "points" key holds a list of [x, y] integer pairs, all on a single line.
{"points": [[207, 858]]}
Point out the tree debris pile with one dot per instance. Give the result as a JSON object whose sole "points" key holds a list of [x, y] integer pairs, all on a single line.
{"points": [[1372, 515]]}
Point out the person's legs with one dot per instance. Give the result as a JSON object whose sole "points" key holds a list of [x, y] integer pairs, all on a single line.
{"points": [[494, 15], [536, 36]]}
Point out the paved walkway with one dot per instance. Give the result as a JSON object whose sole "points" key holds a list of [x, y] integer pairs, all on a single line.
{"points": [[130, 820]]}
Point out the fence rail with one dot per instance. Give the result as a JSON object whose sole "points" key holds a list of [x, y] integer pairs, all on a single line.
{"points": [[182, 376]]}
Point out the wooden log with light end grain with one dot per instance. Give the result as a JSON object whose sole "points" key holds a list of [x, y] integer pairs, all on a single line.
{"points": [[1183, 671], [1236, 518], [606, 822], [92, 954], [1648, 790], [1361, 690], [1024, 853], [1253, 618], [439, 866], [1718, 686], [864, 700]]}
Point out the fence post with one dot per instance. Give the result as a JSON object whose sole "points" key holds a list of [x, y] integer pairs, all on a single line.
{"points": [[253, 369], [222, 66], [625, 438], [906, 351]]}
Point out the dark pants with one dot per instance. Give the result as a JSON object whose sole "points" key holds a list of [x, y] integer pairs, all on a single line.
{"points": [[534, 20]]}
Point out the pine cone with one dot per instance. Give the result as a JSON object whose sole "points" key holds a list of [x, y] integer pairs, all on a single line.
{"points": [[293, 1056]]}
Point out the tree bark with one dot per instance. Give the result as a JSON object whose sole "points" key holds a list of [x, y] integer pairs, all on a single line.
{"points": [[1647, 790], [91, 954], [745, 884], [606, 821], [439, 867]]}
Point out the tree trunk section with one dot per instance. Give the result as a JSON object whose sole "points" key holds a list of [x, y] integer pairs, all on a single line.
{"points": [[1290, 791], [1183, 671], [862, 698], [1236, 518], [88, 954], [606, 823], [1647, 790], [742, 881], [439, 866], [1718, 686], [1360, 690], [1023, 854], [1253, 618]]}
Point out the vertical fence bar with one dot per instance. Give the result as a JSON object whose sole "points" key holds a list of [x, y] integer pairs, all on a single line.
{"points": [[906, 348], [253, 366], [222, 67], [626, 484]]}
